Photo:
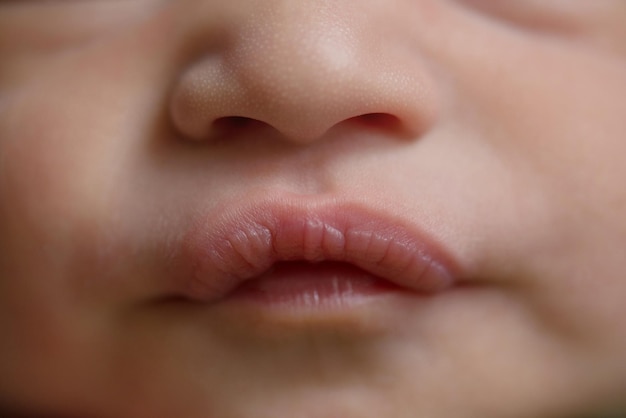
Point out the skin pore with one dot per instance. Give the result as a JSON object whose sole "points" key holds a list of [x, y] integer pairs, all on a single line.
{"points": [[494, 129]]}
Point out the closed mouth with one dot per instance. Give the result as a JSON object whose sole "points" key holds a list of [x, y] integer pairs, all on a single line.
{"points": [[307, 249]]}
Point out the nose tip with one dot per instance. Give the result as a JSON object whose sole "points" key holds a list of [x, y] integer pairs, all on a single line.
{"points": [[301, 73]]}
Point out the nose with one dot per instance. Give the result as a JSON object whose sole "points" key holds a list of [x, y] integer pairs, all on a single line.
{"points": [[302, 67]]}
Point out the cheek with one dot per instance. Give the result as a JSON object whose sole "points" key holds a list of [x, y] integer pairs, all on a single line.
{"points": [[53, 206], [63, 147], [553, 110], [553, 114], [571, 135], [71, 146], [54, 189], [47, 175]]}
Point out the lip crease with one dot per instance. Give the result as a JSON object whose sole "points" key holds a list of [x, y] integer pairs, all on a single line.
{"points": [[229, 247]]}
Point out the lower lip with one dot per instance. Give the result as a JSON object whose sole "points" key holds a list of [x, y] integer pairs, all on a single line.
{"points": [[306, 287]]}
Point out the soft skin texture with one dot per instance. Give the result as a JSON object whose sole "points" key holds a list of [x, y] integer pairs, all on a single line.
{"points": [[497, 128]]}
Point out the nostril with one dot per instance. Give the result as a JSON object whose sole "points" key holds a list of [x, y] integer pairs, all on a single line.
{"points": [[380, 121], [233, 122], [234, 125]]}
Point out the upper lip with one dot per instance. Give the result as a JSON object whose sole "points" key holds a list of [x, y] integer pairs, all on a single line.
{"points": [[239, 242]]}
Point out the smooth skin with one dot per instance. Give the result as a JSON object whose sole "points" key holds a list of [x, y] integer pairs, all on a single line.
{"points": [[497, 127]]}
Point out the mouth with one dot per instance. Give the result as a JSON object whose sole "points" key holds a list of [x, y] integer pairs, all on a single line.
{"points": [[309, 253]]}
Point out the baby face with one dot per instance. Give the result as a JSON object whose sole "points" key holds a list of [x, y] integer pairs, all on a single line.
{"points": [[407, 208]]}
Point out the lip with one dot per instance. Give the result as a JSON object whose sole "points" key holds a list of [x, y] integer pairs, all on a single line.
{"points": [[240, 242]]}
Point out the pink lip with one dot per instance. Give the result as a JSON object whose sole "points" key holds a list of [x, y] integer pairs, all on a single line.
{"points": [[224, 249]]}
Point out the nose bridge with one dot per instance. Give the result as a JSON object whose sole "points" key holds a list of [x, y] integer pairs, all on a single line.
{"points": [[299, 66], [289, 46]]}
